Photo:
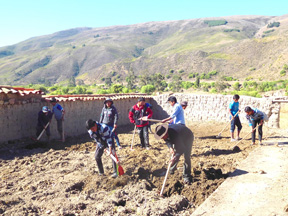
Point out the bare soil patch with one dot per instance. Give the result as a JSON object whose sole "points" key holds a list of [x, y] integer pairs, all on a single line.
{"points": [[62, 179]]}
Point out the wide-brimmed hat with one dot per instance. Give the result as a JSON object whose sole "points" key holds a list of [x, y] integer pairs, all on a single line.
{"points": [[108, 99], [160, 131]]}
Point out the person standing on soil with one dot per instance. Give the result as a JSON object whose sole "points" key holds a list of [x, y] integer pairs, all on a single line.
{"points": [[177, 114], [44, 116], [109, 116], [179, 140], [184, 104], [235, 121], [102, 135], [136, 113], [254, 117], [58, 112]]}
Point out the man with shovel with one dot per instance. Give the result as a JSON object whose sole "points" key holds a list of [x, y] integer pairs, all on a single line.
{"points": [[254, 117], [44, 116], [58, 112], [179, 140], [235, 120], [136, 113], [102, 135], [177, 114]]}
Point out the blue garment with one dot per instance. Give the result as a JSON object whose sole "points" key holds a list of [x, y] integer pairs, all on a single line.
{"points": [[256, 116], [178, 114], [57, 111], [234, 107], [103, 135]]}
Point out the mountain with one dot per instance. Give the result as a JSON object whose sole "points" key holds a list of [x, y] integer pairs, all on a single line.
{"points": [[237, 46]]}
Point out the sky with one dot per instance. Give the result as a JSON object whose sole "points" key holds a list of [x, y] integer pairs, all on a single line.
{"points": [[23, 19]]}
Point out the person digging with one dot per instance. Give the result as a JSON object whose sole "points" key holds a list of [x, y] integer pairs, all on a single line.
{"points": [[102, 135], [179, 140], [44, 116]]}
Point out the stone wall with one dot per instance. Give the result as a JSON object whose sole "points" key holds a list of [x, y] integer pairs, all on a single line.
{"points": [[19, 120], [215, 107]]}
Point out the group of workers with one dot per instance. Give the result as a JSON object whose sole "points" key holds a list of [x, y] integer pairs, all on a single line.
{"points": [[177, 136]]}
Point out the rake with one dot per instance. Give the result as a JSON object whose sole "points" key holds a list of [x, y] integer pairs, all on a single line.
{"points": [[219, 135]]}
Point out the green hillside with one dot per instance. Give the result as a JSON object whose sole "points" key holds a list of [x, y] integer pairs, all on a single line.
{"points": [[229, 45]]}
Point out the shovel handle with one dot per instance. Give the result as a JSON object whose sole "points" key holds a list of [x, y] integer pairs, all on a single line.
{"points": [[133, 137], [228, 123], [40, 135], [166, 176], [245, 136]]}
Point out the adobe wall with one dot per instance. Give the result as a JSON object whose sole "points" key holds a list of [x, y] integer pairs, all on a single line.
{"points": [[19, 120], [215, 107]]}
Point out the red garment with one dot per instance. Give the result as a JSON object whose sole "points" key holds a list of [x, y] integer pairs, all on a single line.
{"points": [[138, 112]]}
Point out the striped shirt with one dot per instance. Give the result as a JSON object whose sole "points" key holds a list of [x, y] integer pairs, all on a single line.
{"points": [[102, 136]]}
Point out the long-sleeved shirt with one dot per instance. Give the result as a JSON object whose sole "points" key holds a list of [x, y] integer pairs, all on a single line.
{"points": [[102, 136], [180, 138], [58, 111], [109, 116], [257, 115], [178, 114], [138, 112], [43, 119]]}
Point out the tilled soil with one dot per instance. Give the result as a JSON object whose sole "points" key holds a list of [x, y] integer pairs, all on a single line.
{"points": [[62, 179]]}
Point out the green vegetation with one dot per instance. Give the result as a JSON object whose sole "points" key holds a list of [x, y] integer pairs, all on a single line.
{"points": [[269, 31], [274, 24], [212, 23], [231, 30]]}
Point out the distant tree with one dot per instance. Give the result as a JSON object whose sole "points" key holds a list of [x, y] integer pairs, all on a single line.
{"points": [[197, 82], [171, 71], [65, 90], [147, 89], [274, 24], [236, 86], [72, 82], [116, 88], [108, 81], [131, 79]]}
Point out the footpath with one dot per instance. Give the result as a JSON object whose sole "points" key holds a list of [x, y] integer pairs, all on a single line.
{"points": [[258, 187]]}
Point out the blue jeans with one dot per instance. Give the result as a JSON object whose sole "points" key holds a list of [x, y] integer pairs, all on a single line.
{"points": [[115, 136]]}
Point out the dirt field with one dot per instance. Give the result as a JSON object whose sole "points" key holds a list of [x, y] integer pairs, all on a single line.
{"points": [[62, 179]]}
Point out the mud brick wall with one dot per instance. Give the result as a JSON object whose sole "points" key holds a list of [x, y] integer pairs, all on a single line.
{"points": [[215, 108], [19, 121]]}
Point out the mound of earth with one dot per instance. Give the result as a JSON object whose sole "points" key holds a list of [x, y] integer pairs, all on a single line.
{"points": [[62, 179]]}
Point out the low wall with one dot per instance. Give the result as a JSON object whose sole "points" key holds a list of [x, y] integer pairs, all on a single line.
{"points": [[19, 120], [215, 107]]}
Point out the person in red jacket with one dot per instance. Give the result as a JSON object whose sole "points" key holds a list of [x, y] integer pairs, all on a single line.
{"points": [[136, 113]]}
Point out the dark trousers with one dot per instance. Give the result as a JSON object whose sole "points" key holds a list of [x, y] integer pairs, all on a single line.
{"points": [[187, 160], [59, 125], [260, 133], [40, 128], [236, 121], [98, 154], [144, 137]]}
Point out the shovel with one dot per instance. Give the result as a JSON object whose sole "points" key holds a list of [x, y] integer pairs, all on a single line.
{"points": [[63, 135], [166, 176], [120, 170], [40, 135], [147, 119], [133, 138], [219, 135], [235, 147]]}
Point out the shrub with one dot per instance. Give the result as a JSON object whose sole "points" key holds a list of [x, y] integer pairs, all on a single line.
{"points": [[282, 73], [212, 23], [171, 71], [269, 31], [231, 30], [181, 71], [147, 89], [285, 67], [252, 69], [274, 24], [186, 84], [236, 86]]}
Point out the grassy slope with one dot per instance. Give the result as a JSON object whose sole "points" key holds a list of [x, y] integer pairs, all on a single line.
{"points": [[151, 47]]}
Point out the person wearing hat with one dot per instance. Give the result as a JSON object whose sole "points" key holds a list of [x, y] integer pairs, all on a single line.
{"points": [[179, 140], [109, 116], [136, 113], [58, 112], [184, 104], [44, 116], [178, 113], [102, 135]]}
